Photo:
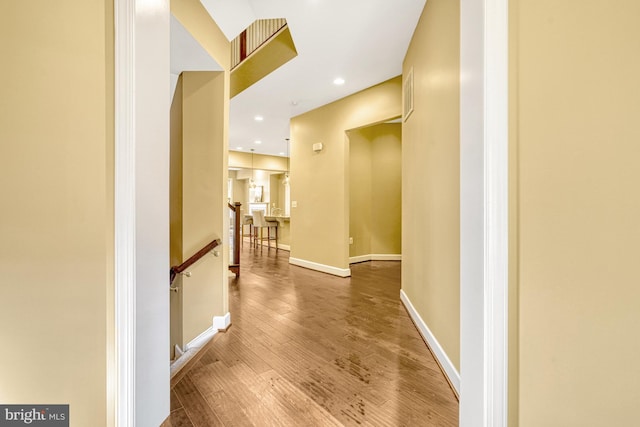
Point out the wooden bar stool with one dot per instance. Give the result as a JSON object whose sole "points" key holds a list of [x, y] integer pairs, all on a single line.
{"points": [[247, 220], [259, 224]]}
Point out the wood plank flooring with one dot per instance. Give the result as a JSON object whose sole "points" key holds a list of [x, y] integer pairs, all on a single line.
{"points": [[310, 349]]}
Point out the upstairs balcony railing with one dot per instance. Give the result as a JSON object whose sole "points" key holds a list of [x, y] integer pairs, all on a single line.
{"points": [[253, 37]]}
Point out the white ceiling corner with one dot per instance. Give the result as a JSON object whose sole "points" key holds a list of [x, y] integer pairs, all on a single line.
{"points": [[232, 16], [186, 53]]}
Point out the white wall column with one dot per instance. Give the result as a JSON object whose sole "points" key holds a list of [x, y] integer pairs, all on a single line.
{"points": [[142, 211], [483, 211]]}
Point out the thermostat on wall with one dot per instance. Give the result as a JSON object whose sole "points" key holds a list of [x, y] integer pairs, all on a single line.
{"points": [[317, 147]]}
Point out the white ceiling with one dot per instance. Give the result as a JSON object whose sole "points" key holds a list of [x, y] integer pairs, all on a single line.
{"points": [[361, 41], [186, 52]]}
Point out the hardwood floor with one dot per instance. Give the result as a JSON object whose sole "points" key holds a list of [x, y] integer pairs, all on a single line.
{"points": [[310, 349]]}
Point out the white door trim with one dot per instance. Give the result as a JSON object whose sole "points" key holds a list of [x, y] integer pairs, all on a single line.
{"points": [[125, 210], [483, 211]]}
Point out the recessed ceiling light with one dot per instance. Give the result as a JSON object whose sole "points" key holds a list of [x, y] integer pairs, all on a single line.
{"points": [[258, 118], [338, 81], [258, 142], [282, 154], [239, 148]]}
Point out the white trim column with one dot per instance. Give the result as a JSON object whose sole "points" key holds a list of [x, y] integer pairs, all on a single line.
{"points": [[142, 378], [483, 211], [125, 221]]}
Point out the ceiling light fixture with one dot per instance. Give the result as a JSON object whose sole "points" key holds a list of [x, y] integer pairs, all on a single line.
{"points": [[238, 148], [258, 118], [338, 81], [258, 142]]}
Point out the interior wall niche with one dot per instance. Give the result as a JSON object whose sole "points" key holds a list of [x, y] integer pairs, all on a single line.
{"points": [[375, 191]]}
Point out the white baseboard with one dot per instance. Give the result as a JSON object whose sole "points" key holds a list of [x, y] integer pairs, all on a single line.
{"points": [[191, 350], [178, 351], [375, 257], [449, 370], [221, 323], [201, 339], [341, 272], [386, 257]]}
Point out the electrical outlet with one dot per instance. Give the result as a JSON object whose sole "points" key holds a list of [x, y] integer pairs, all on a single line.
{"points": [[351, 240], [294, 204]]}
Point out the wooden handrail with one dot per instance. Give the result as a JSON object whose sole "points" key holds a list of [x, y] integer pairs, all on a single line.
{"points": [[177, 269]]}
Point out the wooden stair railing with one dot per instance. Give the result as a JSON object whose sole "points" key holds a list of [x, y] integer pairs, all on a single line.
{"points": [[177, 269], [234, 265], [254, 36]]}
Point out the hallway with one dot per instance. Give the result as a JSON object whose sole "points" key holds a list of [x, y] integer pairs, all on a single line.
{"points": [[309, 349]]}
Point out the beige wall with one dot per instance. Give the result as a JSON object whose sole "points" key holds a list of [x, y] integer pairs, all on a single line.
{"points": [[284, 233], [195, 18], [203, 198], [274, 190], [175, 176], [359, 193], [56, 266], [205, 142], [176, 256], [319, 181], [275, 52], [375, 181], [578, 142], [239, 159], [239, 191], [386, 193], [430, 175], [281, 200]]}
